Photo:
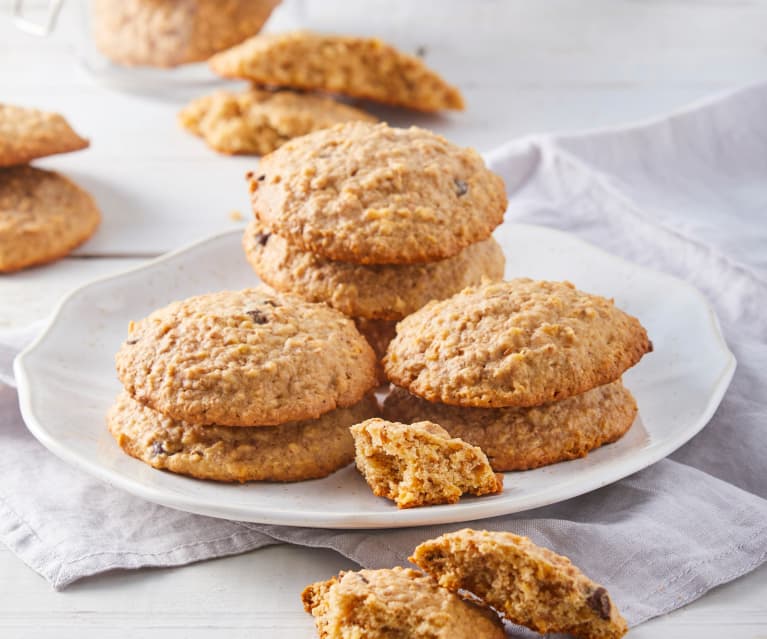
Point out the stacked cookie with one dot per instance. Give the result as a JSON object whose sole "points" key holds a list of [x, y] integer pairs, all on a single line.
{"points": [[43, 215], [375, 221], [527, 370], [243, 385], [258, 121]]}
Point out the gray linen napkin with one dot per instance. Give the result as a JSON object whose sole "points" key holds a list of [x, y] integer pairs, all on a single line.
{"points": [[686, 194]]}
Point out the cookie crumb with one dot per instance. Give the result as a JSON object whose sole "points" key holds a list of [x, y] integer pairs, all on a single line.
{"points": [[236, 216]]}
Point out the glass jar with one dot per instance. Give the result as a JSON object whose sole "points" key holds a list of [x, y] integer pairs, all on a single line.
{"points": [[149, 43]]}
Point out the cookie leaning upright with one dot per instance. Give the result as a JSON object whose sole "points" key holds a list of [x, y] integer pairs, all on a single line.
{"points": [[514, 344], [245, 358], [373, 194]]}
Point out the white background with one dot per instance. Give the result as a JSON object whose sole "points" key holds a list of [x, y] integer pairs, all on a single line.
{"points": [[524, 67]]}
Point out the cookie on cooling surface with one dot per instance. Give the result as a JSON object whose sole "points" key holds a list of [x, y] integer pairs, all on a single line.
{"points": [[26, 134], [398, 602], [420, 464], [359, 67], [526, 438], [517, 343], [530, 585], [257, 122], [372, 194], [245, 358], [379, 292], [293, 451], [43, 217]]}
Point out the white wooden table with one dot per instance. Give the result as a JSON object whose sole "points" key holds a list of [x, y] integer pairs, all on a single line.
{"points": [[524, 67]]}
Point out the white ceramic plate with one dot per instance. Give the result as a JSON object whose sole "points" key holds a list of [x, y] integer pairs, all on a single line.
{"points": [[66, 382]]}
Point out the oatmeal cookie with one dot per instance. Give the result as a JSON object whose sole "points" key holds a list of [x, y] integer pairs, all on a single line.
{"points": [[380, 292], [359, 67], [26, 134], [245, 358], [257, 122], [398, 602], [159, 33], [526, 438], [419, 464], [43, 216], [530, 585], [516, 343], [372, 194], [293, 451]]}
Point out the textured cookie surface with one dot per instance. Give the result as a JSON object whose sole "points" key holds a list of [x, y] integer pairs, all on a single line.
{"points": [[419, 464], [360, 67], [532, 586], [165, 34], [373, 194], [26, 134], [393, 604], [257, 122], [245, 358], [525, 438], [516, 343], [384, 291], [289, 452], [43, 216]]}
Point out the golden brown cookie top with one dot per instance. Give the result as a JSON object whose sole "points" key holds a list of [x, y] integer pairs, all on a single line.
{"points": [[517, 343], [26, 134], [375, 291], [359, 67], [396, 602], [258, 122], [529, 584], [245, 358], [373, 194], [43, 216]]}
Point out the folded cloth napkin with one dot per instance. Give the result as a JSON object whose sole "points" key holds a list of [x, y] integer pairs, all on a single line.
{"points": [[686, 194]]}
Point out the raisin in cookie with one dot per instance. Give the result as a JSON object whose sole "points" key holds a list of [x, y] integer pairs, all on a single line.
{"points": [[382, 292], [420, 464], [359, 67], [372, 194], [399, 602], [293, 451], [516, 343], [245, 358], [530, 585], [526, 438], [26, 134], [258, 122], [43, 216]]}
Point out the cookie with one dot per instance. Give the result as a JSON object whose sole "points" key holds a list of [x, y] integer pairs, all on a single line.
{"points": [[257, 122], [526, 438], [359, 67], [398, 602], [419, 464], [43, 216], [245, 358], [289, 452], [385, 292], [158, 33], [26, 134], [530, 585], [516, 343], [372, 194]]}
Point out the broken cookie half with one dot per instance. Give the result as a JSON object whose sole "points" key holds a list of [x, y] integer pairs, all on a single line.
{"points": [[400, 602], [529, 585], [420, 464]]}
